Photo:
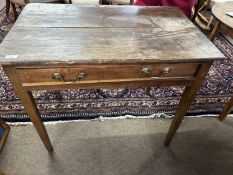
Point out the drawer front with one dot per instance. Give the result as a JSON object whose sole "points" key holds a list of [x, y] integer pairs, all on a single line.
{"points": [[104, 73]]}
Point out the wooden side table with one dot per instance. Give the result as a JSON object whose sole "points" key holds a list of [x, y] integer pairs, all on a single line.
{"points": [[83, 47], [219, 11], [4, 134]]}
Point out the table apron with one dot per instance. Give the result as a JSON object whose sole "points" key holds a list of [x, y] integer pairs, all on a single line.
{"points": [[181, 81]]}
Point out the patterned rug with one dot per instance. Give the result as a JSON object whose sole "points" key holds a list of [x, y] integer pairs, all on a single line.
{"points": [[89, 104]]}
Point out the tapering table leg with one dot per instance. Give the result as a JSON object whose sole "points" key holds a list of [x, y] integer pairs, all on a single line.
{"points": [[5, 133], [186, 100], [29, 104], [226, 110]]}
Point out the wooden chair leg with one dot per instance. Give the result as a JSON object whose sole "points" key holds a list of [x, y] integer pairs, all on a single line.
{"points": [[5, 133], [7, 6], [14, 11], [214, 31], [226, 110]]}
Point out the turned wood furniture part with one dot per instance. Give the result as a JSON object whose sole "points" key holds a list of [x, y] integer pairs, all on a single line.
{"points": [[201, 15], [61, 46], [3, 137], [197, 7], [219, 11]]}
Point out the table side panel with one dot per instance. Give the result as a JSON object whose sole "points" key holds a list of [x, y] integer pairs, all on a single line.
{"points": [[108, 73]]}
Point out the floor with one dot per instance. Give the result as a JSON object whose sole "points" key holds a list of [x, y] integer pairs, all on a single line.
{"points": [[202, 146]]}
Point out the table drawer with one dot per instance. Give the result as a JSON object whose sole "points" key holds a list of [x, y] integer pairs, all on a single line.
{"points": [[107, 72]]}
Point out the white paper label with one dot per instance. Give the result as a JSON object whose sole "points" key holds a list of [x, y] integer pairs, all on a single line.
{"points": [[11, 56]]}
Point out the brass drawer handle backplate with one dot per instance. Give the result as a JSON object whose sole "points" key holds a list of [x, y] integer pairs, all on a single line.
{"points": [[59, 76], [147, 72]]}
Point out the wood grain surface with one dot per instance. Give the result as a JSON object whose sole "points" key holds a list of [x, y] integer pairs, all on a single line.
{"points": [[55, 33]]}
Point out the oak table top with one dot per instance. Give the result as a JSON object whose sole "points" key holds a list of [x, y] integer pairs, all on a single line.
{"points": [[58, 46], [55, 33]]}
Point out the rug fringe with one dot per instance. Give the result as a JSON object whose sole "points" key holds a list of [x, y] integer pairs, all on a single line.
{"points": [[101, 118]]}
